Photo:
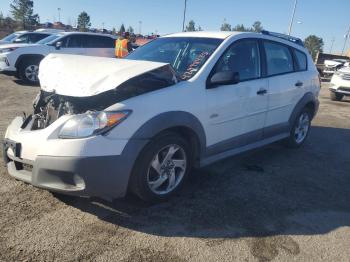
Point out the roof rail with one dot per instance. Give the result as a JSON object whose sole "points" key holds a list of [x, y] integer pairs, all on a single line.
{"points": [[289, 38]]}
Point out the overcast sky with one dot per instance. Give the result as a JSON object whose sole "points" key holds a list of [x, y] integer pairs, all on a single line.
{"points": [[327, 19]]}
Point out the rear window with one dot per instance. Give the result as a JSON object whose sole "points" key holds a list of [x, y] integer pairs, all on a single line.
{"points": [[279, 58], [301, 60]]}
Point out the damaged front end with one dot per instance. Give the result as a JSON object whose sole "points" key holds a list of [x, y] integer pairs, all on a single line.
{"points": [[49, 106]]}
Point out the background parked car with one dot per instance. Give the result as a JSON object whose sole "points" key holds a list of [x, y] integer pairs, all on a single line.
{"points": [[333, 65], [25, 37], [23, 60], [340, 84]]}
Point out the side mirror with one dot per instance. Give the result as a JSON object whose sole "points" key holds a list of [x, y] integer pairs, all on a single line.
{"points": [[58, 45], [18, 41], [223, 78]]}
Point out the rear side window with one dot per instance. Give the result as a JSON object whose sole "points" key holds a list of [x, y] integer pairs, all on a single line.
{"points": [[278, 58], [74, 41], [301, 60], [99, 42]]}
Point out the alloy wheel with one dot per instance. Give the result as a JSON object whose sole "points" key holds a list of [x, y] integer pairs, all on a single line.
{"points": [[302, 128], [31, 73], [167, 169]]}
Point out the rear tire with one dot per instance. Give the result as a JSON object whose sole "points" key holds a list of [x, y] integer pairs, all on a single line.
{"points": [[28, 71], [336, 97], [300, 129], [162, 168]]}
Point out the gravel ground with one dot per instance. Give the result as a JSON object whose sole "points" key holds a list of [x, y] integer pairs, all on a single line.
{"points": [[270, 204]]}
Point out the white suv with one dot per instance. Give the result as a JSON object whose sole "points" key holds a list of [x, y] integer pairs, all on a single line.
{"points": [[24, 59], [103, 126], [340, 84]]}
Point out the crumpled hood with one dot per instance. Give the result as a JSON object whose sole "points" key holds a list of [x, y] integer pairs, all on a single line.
{"points": [[83, 76]]}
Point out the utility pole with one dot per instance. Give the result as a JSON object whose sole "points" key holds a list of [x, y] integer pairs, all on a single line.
{"points": [[140, 24], [292, 19], [184, 18], [59, 14], [346, 36], [330, 50]]}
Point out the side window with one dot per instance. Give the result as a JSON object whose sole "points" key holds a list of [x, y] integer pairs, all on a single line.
{"points": [[301, 60], [33, 38], [97, 41], [74, 41], [108, 42], [242, 57], [91, 41], [278, 58], [22, 39]]}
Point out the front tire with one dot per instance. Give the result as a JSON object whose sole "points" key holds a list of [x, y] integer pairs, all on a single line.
{"points": [[335, 96], [300, 129], [28, 71], [162, 168]]}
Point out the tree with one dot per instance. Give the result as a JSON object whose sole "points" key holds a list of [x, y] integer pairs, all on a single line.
{"points": [[83, 21], [199, 28], [257, 27], [130, 30], [241, 28], [122, 29], [114, 31], [314, 44], [225, 27], [191, 26], [22, 11]]}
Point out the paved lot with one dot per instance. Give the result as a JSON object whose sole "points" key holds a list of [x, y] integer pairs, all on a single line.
{"points": [[270, 204]]}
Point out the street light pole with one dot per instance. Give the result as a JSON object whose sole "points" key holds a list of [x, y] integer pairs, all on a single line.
{"points": [[330, 50], [140, 24], [346, 36], [184, 18], [292, 19], [59, 14]]}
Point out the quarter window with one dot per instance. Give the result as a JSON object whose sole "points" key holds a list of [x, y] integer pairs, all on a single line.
{"points": [[301, 60], [243, 58], [278, 58]]}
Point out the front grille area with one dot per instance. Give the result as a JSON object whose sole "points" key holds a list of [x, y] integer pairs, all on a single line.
{"points": [[346, 77], [346, 89]]}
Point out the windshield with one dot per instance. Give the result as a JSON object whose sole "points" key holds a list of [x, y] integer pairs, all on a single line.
{"points": [[185, 54], [49, 39], [10, 37]]}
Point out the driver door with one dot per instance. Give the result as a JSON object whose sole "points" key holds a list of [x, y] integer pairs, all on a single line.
{"points": [[236, 112]]}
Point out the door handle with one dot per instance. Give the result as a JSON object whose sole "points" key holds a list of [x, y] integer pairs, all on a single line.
{"points": [[261, 92], [299, 84]]}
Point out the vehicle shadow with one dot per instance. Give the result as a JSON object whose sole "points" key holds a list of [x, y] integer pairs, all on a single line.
{"points": [[23, 83], [268, 192]]}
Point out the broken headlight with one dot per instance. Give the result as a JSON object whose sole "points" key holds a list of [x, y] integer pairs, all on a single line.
{"points": [[92, 123]]}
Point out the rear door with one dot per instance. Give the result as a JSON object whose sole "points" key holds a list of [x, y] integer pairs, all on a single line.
{"points": [[285, 86], [97, 45], [237, 112]]}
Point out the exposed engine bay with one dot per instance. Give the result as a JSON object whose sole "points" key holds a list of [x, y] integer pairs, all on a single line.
{"points": [[49, 106]]}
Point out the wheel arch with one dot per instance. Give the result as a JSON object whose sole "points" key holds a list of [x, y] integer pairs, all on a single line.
{"points": [[309, 101], [25, 57], [182, 123]]}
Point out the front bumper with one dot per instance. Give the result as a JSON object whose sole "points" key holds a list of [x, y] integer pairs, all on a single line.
{"points": [[340, 86], [5, 65], [99, 174]]}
